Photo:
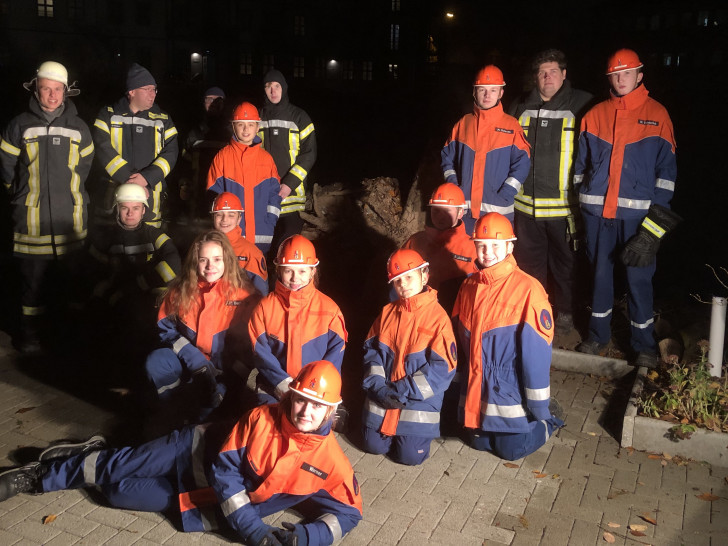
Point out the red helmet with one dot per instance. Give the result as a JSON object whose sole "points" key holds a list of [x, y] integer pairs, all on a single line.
{"points": [[402, 261], [226, 201], [493, 226], [296, 251], [490, 75], [246, 112], [319, 381], [624, 59], [447, 195]]}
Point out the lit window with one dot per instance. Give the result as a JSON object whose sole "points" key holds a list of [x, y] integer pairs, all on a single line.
{"points": [[667, 60], [75, 9], [394, 37], [366, 70], [703, 19], [299, 25], [298, 67], [393, 71], [45, 8], [395, 5], [348, 70], [246, 64], [268, 63]]}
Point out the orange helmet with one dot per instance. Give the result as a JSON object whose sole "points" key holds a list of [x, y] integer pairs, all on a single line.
{"points": [[493, 226], [402, 261], [447, 195], [319, 381], [624, 59], [297, 251], [245, 112], [226, 201], [490, 75]]}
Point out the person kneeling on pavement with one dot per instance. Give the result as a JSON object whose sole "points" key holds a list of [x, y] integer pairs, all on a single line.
{"points": [[502, 318], [276, 457]]}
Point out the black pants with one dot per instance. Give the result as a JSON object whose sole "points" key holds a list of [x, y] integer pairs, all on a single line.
{"points": [[543, 251]]}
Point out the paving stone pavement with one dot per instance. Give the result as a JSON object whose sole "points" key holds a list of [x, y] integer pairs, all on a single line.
{"points": [[571, 491]]}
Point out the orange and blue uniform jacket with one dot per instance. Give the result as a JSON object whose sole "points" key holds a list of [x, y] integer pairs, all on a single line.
{"points": [[267, 465], [487, 155], [503, 321], [250, 173], [410, 350], [290, 329], [250, 258], [200, 335], [626, 159], [451, 255]]}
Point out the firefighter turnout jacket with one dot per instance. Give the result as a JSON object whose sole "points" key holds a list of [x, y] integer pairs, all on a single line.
{"points": [[626, 158], [551, 129], [250, 258], [143, 142], [289, 329], [212, 321], [250, 173], [44, 168], [488, 157], [503, 321], [410, 349]]}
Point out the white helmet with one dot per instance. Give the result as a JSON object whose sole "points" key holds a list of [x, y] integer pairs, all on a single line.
{"points": [[130, 193], [53, 71]]}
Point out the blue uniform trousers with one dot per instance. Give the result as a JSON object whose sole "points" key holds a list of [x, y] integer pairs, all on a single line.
{"points": [[510, 446], [605, 239], [410, 450], [140, 478]]}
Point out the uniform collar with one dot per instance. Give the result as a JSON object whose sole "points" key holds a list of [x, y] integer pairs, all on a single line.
{"points": [[444, 235], [499, 271], [311, 439], [417, 302], [490, 114], [296, 298], [631, 100], [235, 234]]}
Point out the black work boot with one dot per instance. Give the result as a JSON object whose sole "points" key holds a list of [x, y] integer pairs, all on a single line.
{"points": [[23, 479], [591, 347], [647, 359], [64, 449], [564, 323]]}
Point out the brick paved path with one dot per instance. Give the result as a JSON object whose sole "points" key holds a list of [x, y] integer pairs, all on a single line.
{"points": [[566, 493]]}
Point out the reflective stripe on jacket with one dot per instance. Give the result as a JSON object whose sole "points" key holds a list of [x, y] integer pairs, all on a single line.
{"points": [[503, 321], [44, 166], [410, 349], [626, 151], [289, 329]]}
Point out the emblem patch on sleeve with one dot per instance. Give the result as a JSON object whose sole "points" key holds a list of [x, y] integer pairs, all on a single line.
{"points": [[545, 318], [454, 351]]}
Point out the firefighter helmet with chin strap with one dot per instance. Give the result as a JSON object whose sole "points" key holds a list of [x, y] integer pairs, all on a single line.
{"points": [[493, 226], [296, 251], [246, 112], [130, 193], [447, 195], [51, 70], [226, 202], [624, 59], [319, 381], [489, 75], [403, 261]]}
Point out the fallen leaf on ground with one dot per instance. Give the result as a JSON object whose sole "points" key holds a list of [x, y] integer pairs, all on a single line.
{"points": [[24, 410], [511, 465], [592, 433], [663, 463], [637, 533], [49, 519], [648, 518], [636, 527], [640, 483], [630, 450], [616, 493], [707, 497], [555, 476], [667, 456], [654, 456], [614, 525], [609, 537], [540, 475], [523, 521]]}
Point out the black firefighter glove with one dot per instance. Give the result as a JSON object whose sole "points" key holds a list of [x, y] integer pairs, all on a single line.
{"points": [[205, 384], [641, 249]]}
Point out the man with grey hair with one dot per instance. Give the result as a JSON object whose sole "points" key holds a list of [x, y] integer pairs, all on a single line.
{"points": [[45, 157]]}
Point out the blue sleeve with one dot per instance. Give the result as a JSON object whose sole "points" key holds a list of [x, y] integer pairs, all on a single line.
{"points": [[447, 162], [267, 363], [665, 174], [273, 209], [519, 167], [185, 350], [535, 355], [337, 519], [376, 355], [258, 282], [431, 379]]}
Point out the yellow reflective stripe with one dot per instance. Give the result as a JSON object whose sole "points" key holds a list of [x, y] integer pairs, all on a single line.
{"points": [[293, 208], [5, 146], [158, 138], [31, 200], [163, 238], [73, 160], [88, 150], [156, 197], [99, 124], [653, 228], [567, 153], [162, 164], [152, 115], [294, 145], [117, 138], [307, 131], [114, 165], [33, 311], [45, 250], [47, 239], [169, 133], [164, 271], [299, 172]]}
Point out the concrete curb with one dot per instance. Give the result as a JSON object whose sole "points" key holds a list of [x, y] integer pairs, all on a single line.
{"points": [[573, 361], [647, 434]]}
